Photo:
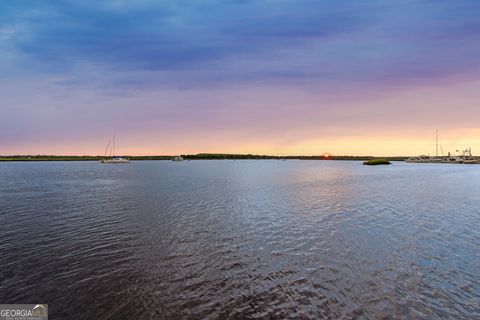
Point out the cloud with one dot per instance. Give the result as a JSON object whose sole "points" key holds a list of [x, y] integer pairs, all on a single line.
{"points": [[204, 43]]}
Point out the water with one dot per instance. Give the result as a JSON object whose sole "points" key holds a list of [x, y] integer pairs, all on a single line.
{"points": [[241, 239]]}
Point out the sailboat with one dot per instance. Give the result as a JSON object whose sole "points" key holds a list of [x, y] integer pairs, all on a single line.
{"points": [[112, 158]]}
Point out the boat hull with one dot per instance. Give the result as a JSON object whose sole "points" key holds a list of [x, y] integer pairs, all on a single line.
{"points": [[115, 161], [471, 161]]}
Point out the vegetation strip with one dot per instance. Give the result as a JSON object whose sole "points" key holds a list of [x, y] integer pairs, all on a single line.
{"points": [[200, 156]]}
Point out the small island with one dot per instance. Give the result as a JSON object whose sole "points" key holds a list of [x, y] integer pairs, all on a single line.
{"points": [[376, 162]]}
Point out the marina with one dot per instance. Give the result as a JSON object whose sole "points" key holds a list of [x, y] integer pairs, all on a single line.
{"points": [[461, 157], [465, 157]]}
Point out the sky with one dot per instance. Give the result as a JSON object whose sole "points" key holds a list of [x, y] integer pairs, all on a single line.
{"points": [[296, 77]]}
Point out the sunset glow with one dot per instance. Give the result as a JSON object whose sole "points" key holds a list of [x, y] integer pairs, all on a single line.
{"points": [[268, 77]]}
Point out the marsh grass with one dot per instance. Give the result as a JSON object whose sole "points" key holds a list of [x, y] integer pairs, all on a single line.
{"points": [[375, 162]]}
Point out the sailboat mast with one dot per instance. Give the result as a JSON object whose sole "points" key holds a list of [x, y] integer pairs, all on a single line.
{"points": [[114, 145], [106, 150], [436, 151]]}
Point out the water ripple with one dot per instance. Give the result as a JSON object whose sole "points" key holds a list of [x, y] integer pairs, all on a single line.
{"points": [[241, 240]]}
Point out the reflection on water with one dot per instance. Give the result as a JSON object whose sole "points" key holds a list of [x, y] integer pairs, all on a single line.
{"points": [[241, 239]]}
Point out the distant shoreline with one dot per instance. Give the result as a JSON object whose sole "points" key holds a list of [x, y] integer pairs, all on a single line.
{"points": [[200, 156]]}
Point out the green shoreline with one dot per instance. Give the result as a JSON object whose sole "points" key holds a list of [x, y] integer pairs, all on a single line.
{"points": [[200, 156]]}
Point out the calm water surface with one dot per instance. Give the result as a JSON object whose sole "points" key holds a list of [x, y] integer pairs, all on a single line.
{"points": [[241, 239]]}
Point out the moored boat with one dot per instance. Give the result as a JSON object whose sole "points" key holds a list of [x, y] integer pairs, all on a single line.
{"points": [[471, 161], [113, 158]]}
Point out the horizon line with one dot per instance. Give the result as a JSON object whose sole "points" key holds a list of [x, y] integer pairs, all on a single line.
{"points": [[204, 153]]}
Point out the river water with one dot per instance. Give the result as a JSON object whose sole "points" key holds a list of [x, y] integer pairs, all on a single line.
{"points": [[241, 239]]}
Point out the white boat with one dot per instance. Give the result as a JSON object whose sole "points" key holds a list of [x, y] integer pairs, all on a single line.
{"points": [[419, 159], [113, 158], [177, 158]]}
